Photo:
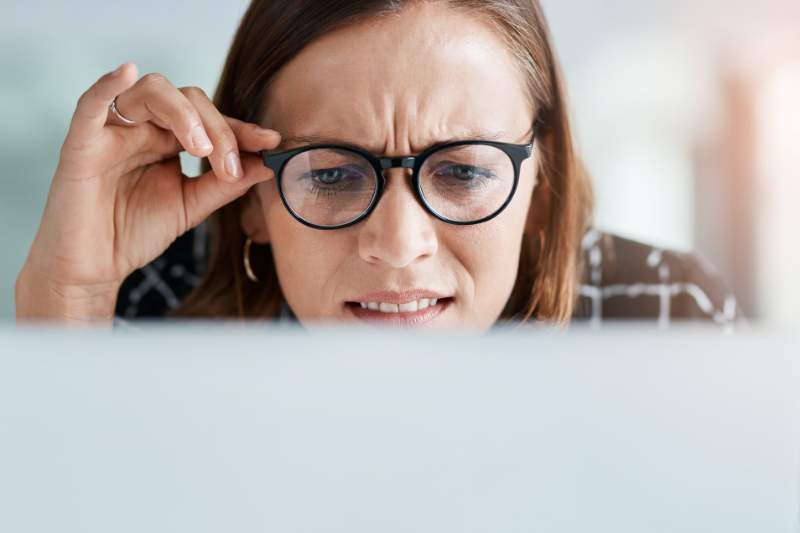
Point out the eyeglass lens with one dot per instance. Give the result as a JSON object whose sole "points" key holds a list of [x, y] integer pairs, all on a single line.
{"points": [[462, 183]]}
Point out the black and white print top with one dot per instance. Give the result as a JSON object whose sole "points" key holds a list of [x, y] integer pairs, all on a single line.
{"points": [[624, 280]]}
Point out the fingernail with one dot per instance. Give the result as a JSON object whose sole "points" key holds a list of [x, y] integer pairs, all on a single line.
{"points": [[199, 138], [233, 165]]}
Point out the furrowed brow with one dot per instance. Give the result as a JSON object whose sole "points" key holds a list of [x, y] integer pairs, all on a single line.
{"points": [[297, 140]]}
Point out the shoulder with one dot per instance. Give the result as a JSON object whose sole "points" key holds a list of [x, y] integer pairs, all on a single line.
{"points": [[627, 279]]}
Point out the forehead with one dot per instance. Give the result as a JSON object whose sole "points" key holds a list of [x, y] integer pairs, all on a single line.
{"points": [[425, 74]]}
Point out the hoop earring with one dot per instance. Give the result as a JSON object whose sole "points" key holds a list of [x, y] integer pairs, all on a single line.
{"points": [[248, 269]]}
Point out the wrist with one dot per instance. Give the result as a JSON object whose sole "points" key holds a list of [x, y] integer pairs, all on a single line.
{"points": [[39, 298]]}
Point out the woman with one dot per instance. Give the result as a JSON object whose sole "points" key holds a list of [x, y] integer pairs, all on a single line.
{"points": [[316, 209]]}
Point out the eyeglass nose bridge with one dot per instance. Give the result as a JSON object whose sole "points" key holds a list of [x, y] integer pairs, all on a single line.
{"points": [[397, 162]]}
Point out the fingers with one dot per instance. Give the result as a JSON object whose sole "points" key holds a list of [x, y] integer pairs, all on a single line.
{"points": [[225, 158], [229, 136], [205, 194], [92, 110], [166, 119], [153, 98], [196, 122], [149, 143], [144, 144], [252, 137]]}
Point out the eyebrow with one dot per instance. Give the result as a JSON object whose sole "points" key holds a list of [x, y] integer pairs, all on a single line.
{"points": [[463, 135]]}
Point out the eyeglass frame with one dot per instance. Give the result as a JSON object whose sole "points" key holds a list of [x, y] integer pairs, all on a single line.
{"points": [[517, 153]]}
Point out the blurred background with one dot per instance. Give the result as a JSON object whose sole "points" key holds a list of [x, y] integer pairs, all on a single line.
{"points": [[687, 113]]}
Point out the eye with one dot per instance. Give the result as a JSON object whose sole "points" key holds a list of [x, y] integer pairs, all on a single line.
{"points": [[465, 173], [334, 175], [328, 176]]}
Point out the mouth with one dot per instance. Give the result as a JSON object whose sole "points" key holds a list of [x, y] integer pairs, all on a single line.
{"points": [[391, 315]]}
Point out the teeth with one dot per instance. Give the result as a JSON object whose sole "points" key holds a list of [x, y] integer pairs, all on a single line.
{"points": [[410, 307], [389, 308]]}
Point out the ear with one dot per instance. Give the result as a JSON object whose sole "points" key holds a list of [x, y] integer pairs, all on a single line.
{"points": [[253, 218], [539, 210]]}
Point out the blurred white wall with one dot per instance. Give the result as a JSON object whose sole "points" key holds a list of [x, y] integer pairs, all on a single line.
{"points": [[640, 75], [778, 226]]}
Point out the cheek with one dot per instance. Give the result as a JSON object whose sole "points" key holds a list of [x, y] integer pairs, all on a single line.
{"points": [[306, 260], [489, 254], [489, 257], [492, 245]]}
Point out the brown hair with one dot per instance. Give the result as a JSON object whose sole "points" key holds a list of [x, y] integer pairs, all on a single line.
{"points": [[272, 32]]}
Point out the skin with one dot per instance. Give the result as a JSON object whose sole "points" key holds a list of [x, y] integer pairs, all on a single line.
{"points": [[396, 86], [118, 197]]}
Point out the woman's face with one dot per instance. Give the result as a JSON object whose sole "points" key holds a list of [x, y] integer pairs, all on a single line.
{"points": [[395, 86]]}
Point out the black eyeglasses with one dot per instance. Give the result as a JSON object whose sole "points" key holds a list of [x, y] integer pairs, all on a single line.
{"points": [[333, 186]]}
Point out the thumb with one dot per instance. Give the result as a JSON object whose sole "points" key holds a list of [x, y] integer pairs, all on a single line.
{"points": [[206, 193]]}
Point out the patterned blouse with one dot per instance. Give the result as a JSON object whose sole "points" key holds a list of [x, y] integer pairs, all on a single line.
{"points": [[624, 280]]}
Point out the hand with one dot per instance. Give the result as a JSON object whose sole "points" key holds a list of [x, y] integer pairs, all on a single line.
{"points": [[118, 198]]}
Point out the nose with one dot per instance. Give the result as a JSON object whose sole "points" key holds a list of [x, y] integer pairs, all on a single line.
{"points": [[399, 231]]}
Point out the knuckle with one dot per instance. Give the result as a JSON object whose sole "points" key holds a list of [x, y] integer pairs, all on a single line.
{"points": [[82, 102], [105, 77], [190, 114], [227, 138], [87, 96], [153, 80], [194, 91]]}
